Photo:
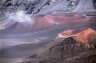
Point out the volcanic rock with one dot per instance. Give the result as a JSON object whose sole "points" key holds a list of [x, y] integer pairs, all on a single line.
{"points": [[68, 51]]}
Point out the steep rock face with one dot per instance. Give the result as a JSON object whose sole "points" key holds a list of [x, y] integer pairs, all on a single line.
{"points": [[68, 51], [62, 50]]}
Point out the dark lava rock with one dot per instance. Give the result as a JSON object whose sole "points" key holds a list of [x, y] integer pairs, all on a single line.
{"points": [[68, 51]]}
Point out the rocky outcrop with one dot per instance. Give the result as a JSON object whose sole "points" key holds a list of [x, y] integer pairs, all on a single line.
{"points": [[68, 51]]}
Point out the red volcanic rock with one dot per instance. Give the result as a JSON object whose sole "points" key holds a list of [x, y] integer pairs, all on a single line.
{"points": [[85, 35], [82, 35], [65, 33]]}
